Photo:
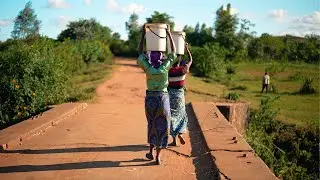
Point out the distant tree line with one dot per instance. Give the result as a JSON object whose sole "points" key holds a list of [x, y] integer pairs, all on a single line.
{"points": [[236, 38]]}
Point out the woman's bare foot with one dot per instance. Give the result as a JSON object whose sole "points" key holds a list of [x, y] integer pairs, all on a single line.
{"points": [[182, 141], [158, 161], [174, 142], [149, 156]]}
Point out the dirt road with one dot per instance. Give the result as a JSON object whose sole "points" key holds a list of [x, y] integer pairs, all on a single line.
{"points": [[107, 140]]}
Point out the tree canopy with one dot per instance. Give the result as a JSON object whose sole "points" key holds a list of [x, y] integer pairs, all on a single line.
{"points": [[26, 24], [134, 34], [86, 29], [158, 17], [225, 28]]}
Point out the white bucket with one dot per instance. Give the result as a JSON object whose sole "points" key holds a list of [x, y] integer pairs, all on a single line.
{"points": [[156, 37], [179, 41]]}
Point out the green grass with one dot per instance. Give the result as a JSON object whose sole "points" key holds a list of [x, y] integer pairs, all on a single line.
{"points": [[293, 108], [202, 89], [85, 82]]}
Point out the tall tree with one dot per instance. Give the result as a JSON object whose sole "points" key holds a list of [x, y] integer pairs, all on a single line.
{"points": [[197, 28], [158, 17], [134, 33], [26, 23], [246, 34], [188, 29], [86, 29], [225, 28]]}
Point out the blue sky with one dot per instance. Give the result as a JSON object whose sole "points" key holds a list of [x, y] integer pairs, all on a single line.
{"points": [[278, 17]]}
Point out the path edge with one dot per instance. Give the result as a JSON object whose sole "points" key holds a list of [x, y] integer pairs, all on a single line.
{"points": [[14, 136]]}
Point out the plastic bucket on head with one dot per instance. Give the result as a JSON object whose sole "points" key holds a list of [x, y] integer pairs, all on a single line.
{"points": [[156, 37], [179, 41]]}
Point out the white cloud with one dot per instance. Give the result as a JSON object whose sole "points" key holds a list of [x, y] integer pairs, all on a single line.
{"points": [[301, 26], [133, 8], [278, 14], [5, 22], [113, 5], [59, 4], [309, 24], [309, 20], [88, 2]]}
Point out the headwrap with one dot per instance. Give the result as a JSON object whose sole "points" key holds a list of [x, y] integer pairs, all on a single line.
{"points": [[155, 58]]}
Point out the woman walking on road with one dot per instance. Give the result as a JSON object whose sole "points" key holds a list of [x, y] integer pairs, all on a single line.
{"points": [[157, 105], [179, 118]]}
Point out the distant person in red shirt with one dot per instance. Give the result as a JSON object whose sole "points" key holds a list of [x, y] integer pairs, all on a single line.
{"points": [[179, 118]]}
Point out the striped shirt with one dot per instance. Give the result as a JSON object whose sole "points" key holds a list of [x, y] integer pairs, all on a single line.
{"points": [[177, 76]]}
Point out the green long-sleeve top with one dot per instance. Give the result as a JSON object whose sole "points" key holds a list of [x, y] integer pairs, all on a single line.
{"points": [[157, 79]]}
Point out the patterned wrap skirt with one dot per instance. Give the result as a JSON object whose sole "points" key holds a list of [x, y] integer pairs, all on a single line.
{"points": [[157, 109], [179, 118]]}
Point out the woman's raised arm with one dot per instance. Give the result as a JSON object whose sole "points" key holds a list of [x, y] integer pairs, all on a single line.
{"points": [[173, 46], [189, 56], [141, 45]]}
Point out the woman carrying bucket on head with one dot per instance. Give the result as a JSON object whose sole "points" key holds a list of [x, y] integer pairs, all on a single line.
{"points": [[156, 67], [177, 75]]}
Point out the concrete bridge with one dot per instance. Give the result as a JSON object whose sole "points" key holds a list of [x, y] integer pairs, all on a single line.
{"points": [[107, 139]]}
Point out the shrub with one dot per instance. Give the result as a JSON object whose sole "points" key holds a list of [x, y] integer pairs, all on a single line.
{"points": [[291, 152], [231, 69], [208, 60], [273, 88], [69, 52], [307, 87], [296, 76], [36, 73], [233, 96], [106, 55], [94, 51], [32, 78], [90, 50], [274, 68]]}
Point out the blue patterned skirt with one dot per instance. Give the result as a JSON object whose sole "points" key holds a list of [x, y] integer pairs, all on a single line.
{"points": [[179, 118], [157, 109]]}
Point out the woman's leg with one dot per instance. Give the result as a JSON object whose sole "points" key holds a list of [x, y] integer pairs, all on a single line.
{"points": [[150, 154], [174, 141], [182, 141], [158, 160], [151, 148]]}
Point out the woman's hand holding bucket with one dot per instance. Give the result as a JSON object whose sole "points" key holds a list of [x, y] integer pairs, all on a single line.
{"points": [[186, 46]]}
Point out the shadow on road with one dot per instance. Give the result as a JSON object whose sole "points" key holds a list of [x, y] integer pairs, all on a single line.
{"points": [[205, 166], [78, 165], [72, 166], [133, 148]]}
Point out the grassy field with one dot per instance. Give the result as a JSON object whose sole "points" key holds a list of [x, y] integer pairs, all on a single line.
{"points": [[87, 81], [288, 78]]}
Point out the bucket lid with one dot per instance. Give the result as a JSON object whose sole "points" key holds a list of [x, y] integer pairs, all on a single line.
{"points": [[156, 25], [178, 33]]}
